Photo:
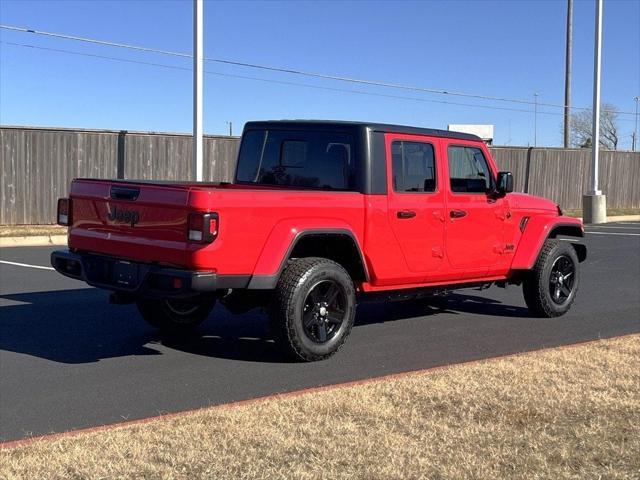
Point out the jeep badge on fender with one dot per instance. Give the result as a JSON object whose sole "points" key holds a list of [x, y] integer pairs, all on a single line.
{"points": [[319, 211]]}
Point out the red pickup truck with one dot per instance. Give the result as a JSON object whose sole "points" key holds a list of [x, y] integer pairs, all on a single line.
{"points": [[321, 215]]}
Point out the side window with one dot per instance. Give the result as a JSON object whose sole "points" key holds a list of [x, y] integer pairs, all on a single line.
{"points": [[249, 156], [468, 170], [319, 160], [413, 167]]}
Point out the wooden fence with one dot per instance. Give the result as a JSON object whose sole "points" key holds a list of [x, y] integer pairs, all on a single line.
{"points": [[38, 164]]}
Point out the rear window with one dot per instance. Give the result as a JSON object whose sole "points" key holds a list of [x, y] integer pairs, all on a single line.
{"points": [[413, 167], [319, 160]]}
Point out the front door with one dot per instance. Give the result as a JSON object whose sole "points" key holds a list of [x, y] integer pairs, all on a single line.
{"points": [[416, 200], [474, 231]]}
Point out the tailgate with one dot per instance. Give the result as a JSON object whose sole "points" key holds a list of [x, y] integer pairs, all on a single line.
{"points": [[138, 221]]}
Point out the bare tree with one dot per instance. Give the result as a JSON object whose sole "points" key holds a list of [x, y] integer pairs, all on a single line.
{"points": [[582, 124]]}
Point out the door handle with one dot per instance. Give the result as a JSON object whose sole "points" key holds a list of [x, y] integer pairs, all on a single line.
{"points": [[457, 213], [406, 214]]}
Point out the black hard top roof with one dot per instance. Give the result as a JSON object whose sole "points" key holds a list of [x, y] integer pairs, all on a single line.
{"points": [[377, 127]]}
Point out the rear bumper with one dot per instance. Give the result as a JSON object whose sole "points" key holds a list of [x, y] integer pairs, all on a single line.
{"points": [[144, 279]]}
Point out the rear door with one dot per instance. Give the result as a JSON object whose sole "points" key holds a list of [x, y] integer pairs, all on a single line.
{"points": [[474, 232], [415, 200]]}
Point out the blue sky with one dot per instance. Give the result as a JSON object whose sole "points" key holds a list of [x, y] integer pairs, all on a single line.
{"points": [[495, 48]]}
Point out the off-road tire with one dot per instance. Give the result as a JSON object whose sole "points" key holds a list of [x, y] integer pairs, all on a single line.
{"points": [[175, 316], [535, 287], [289, 300]]}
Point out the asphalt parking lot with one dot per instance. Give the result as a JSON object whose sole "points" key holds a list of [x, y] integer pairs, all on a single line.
{"points": [[70, 360]]}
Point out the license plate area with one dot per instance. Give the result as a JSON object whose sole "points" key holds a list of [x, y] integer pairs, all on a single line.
{"points": [[125, 273]]}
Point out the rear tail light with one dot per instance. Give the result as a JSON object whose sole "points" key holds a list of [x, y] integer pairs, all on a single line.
{"points": [[64, 211], [203, 227]]}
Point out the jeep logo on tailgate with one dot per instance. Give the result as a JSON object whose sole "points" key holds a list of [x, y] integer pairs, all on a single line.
{"points": [[126, 216]]}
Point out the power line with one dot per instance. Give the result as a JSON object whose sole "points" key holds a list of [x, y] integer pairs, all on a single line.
{"points": [[289, 70], [94, 41], [266, 80]]}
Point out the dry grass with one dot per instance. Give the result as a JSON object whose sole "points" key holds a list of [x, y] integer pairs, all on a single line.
{"points": [[558, 414]]}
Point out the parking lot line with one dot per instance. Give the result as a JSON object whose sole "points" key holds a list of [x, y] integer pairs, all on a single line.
{"points": [[26, 265], [614, 233], [610, 226]]}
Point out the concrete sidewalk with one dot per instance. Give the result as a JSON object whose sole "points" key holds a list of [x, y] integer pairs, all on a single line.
{"points": [[32, 235], [47, 235]]}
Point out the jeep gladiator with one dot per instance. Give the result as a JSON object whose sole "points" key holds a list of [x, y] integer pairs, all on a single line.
{"points": [[321, 215]]}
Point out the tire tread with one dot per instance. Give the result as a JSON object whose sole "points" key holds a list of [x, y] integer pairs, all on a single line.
{"points": [[280, 315], [535, 284]]}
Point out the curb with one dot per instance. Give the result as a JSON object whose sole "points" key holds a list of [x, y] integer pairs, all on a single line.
{"points": [[33, 241], [616, 218], [624, 218]]}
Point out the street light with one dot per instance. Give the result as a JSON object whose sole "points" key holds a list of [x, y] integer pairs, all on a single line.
{"points": [[567, 76], [635, 130], [535, 120], [594, 203], [198, 70]]}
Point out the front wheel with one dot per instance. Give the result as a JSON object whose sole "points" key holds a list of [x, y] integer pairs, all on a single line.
{"points": [[175, 316], [550, 288], [313, 308]]}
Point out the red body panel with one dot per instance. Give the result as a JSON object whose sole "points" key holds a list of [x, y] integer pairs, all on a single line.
{"points": [[254, 223], [538, 229], [421, 238], [474, 242], [258, 226], [160, 233]]}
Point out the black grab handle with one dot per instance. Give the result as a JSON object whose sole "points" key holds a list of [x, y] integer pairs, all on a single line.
{"points": [[124, 193]]}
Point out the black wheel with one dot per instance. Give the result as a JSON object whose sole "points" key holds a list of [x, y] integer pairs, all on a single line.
{"points": [[175, 316], [551, 287], [313, 308]]}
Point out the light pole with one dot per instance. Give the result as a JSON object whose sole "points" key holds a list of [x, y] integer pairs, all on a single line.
{"points": [[635, 130], [594, 203], [535, 119], [198, 70], [567, 75]]}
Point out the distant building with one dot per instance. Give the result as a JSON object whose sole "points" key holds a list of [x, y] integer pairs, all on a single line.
{"points": [[485, 132]]}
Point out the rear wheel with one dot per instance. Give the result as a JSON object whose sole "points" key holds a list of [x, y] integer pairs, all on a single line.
{"points": [[175, 316], [550, 288], [313, 309]]}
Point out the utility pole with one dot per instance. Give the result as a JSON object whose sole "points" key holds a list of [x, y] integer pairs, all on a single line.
{"points": [[535, 120], [198, 70], [594, 202], [635, 130], [567, 75], [230, 128]]}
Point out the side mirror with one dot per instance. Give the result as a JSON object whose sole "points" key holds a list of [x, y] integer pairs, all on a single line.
{"points": [[505, 182]]}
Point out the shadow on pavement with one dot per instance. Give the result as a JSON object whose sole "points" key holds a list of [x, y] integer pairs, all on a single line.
{"points": [[80, 326], [71, 326], [464, 303]]}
